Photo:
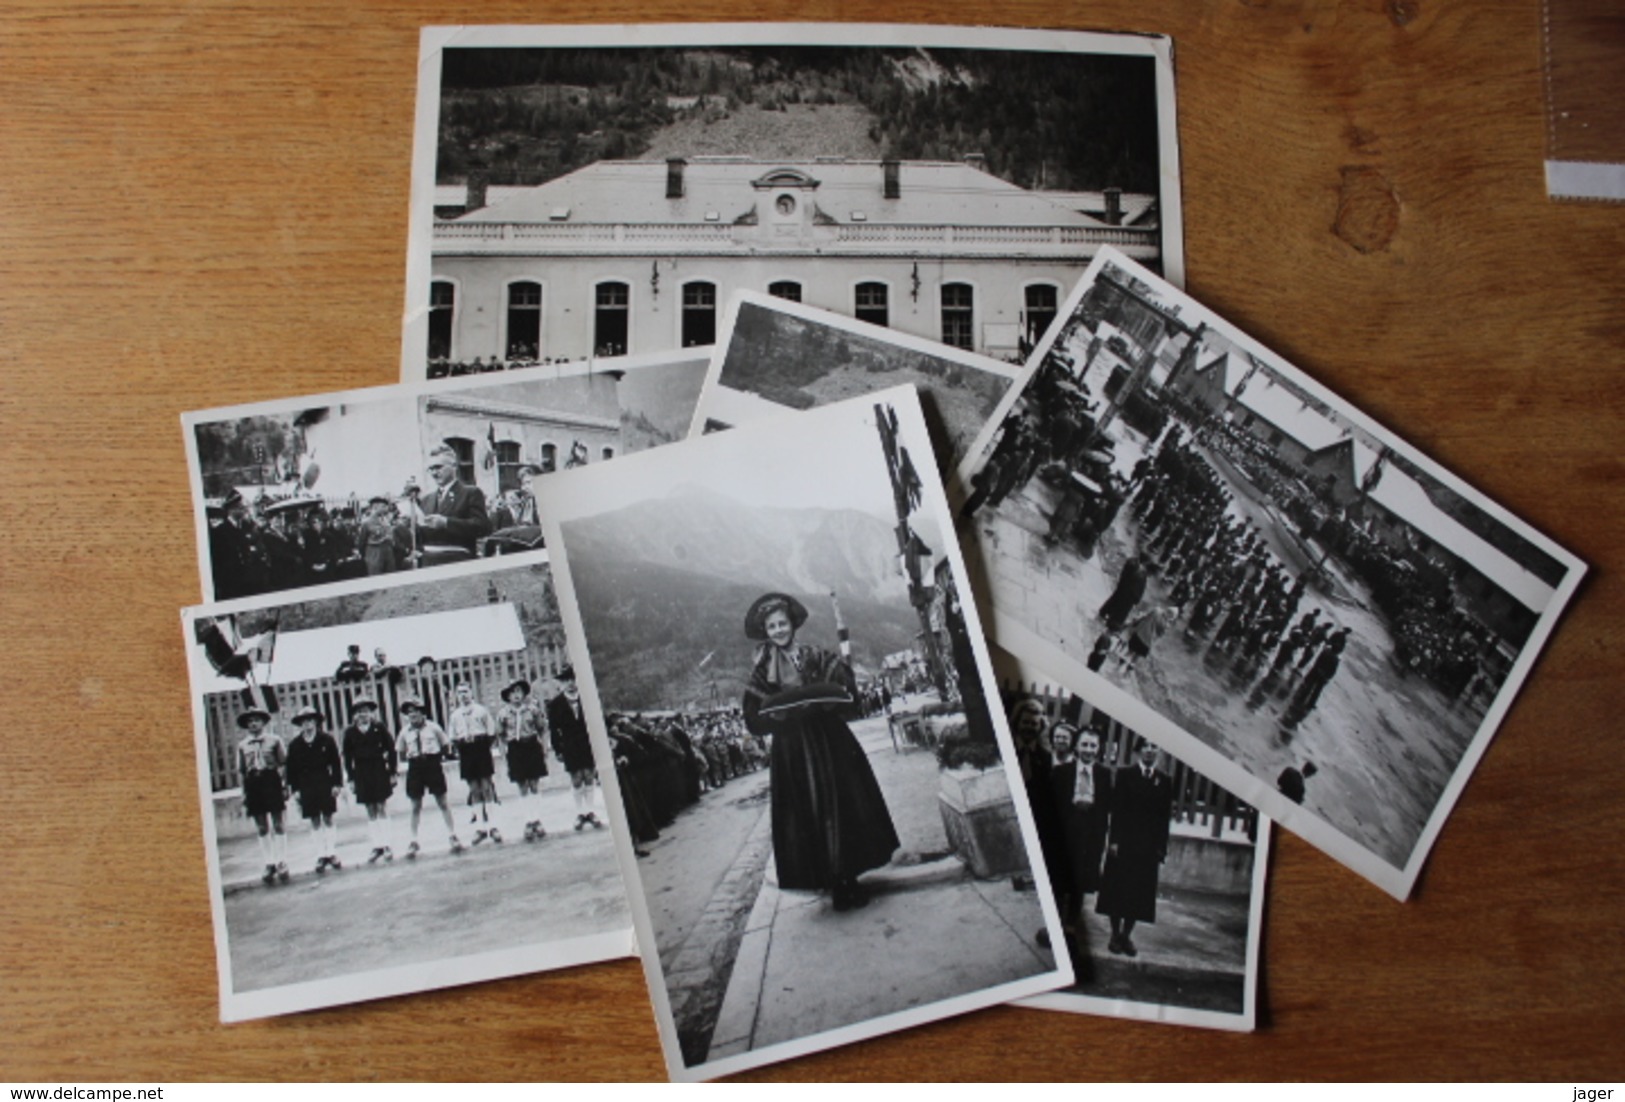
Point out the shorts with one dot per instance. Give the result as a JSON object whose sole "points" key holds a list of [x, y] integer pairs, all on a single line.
{"points": [[474, 761], [526, 760], [425, 775], [262, 793], [1138, 647], [315, 803]]}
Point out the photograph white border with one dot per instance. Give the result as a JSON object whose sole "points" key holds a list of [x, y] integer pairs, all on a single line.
{"points": [[543, 956], [387, 393], [434, 40], [1071, 673], [741, 407], [581, 485], [1134, 1009]]}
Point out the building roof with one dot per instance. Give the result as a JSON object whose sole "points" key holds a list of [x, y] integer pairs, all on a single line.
{"points": [[1404, 497], [1135, 205], [459, 633], [931, 193], [1284, 409]]}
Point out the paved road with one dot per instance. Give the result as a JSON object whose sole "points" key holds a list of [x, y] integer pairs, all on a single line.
{"points": [[747, 965], [1386, 745], [367, 917]]}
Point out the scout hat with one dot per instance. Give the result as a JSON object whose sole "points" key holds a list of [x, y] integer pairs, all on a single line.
{"points": [[307, 713], [252, 713], [516, 683]]}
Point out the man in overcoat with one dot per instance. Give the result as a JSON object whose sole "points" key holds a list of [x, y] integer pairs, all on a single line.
{"points": [[1142, 802]]}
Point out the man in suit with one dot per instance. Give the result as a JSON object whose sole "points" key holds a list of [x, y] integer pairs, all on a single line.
{"points": [[453, 512], [1142, 801], [235, 553], [1081, 788], [570, 742]]}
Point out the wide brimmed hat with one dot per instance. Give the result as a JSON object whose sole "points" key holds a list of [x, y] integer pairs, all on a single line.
{"points": [[412, 704], [516, 683], [307, 713], [756, 615], [360, 702], [253, 713]]}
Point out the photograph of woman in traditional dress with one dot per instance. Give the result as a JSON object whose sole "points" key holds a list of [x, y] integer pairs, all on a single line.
{"points": [[830, 821], [879, 872]]}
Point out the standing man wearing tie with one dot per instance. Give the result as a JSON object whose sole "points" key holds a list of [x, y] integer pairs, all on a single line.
{"points": [[1142, 801], [453, 512]]}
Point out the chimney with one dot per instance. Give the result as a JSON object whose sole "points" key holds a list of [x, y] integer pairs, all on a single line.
{"points": [[478, 181], [978, 161], [674, 177], [890, 170], [1114, 206]]}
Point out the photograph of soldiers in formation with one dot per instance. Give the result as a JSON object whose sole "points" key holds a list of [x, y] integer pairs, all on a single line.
{"points": [[1187, 528], [376, 828], [808, 746], [336, 487], [1158, 872]]}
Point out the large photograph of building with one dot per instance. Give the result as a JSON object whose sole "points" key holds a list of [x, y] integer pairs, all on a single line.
{"points": [[597, 202]]}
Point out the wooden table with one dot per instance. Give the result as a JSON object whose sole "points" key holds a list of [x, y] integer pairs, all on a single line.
{"points": [[205, 203]]}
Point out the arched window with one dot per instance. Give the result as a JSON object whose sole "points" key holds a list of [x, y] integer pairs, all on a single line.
{"points": [[442, 309], [787, 289], [869, 303], [699, 314], [958, 315], [548, 457], [524, 321], [1041, 308], [464, 448], [508, 463], [611, 318]]}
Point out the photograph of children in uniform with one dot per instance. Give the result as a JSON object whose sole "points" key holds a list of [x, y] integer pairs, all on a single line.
{"points": [[335, 487], [599, 191], [1158, 872], [774, 355], [816, 783], [1191, 531], [374, 829]]}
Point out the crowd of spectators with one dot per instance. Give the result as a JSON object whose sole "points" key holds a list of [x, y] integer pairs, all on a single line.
{"points": [[666, 761]]}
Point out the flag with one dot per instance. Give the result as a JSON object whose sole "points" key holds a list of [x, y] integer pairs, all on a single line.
{"points": [[220, 648], [491, 441]]}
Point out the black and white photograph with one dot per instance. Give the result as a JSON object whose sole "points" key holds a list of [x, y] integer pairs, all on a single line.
{"points": [[819, 809], [338, 487], [1158, 871], [596, 191], [774, 355], [398, 792], [1191, 532]]}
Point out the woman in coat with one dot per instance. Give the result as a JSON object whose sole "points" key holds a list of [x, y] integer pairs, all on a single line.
{"points": [[830, 821]]}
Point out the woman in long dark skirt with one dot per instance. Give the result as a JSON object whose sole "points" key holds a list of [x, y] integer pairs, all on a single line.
{"points": [[830, 821]]}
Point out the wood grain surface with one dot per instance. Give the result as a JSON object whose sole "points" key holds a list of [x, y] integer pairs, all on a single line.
{"points": [[205, 203]]}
